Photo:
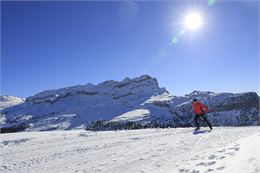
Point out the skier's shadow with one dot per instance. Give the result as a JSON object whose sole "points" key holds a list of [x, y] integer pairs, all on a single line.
{"points": [[195, 132]]}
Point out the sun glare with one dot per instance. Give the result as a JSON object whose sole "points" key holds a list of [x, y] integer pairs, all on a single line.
{"points": [[193, 21]]}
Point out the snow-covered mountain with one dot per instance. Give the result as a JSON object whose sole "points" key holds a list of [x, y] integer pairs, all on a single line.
{"points": [[8, 101], [140, 101]]}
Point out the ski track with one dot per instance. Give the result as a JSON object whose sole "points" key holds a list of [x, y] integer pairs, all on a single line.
{"points": [[175, 150]]}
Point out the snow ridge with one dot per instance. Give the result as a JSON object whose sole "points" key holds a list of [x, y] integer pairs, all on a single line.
{"points": [[8, 101]]}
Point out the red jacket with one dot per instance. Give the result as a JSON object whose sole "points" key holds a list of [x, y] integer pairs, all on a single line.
{"points": [[199, 108]]}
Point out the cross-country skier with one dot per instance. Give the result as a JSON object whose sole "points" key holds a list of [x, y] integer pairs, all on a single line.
{"points": [[200, 111]]}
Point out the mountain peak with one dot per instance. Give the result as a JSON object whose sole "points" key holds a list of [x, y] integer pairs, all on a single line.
{"points": [[8, 98], [8, 101]]}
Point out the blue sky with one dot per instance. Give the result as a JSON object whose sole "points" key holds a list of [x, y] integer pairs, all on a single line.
{"points": [[48, 45]]}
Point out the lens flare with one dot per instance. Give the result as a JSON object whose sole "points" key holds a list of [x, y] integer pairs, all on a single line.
{"points": [[174, 40], [211, 2]]}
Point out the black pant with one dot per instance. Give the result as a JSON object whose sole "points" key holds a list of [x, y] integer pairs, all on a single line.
{"points": [[205, 119]]}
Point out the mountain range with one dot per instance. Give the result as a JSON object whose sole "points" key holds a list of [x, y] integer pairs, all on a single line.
{"points": [[130, 103]]}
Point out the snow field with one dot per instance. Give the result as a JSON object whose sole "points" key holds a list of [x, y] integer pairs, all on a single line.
{"points": [[173, 150]]}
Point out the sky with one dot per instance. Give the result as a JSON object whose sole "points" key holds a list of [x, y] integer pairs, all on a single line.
{"points": [[50, 45]]}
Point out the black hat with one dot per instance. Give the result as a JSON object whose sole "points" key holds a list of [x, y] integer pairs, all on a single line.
{"points": [[194, 100]]}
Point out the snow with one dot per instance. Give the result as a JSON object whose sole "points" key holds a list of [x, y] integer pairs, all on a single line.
{"points": [[8, 101], [135, 115], [248, 158], [175, 150]]}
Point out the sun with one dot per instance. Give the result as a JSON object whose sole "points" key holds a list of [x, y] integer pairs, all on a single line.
{"points": [[193, 20]]}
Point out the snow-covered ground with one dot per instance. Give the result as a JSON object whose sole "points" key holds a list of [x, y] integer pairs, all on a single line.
{"points": [[225, 149]]}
